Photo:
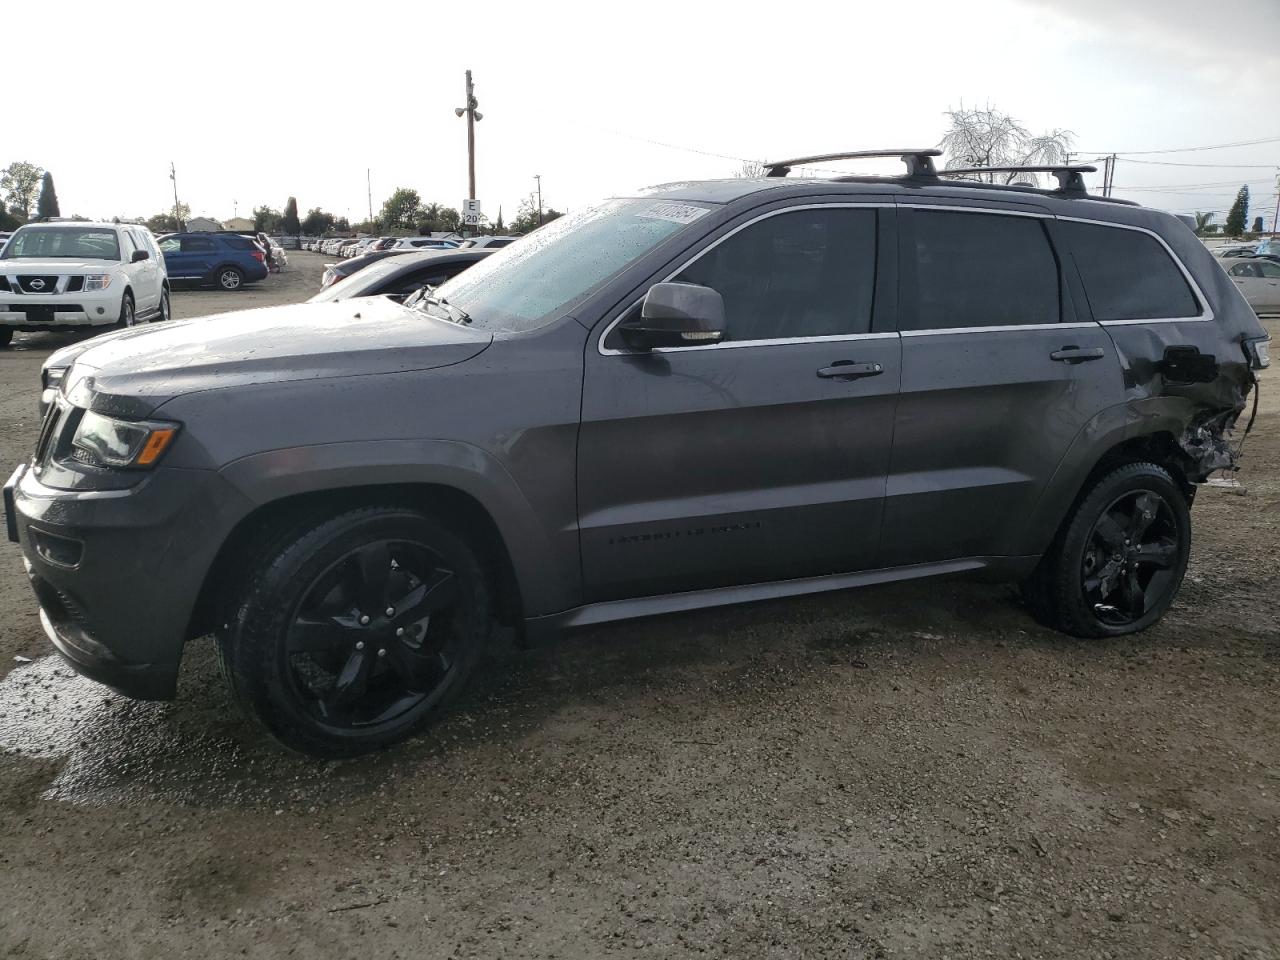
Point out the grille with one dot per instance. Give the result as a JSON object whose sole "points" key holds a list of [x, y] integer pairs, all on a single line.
{"points": [[38, 284], [4, 283], [75, 284]]}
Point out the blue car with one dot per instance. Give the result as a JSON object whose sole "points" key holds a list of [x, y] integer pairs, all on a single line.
{"points": [[225, 260]]}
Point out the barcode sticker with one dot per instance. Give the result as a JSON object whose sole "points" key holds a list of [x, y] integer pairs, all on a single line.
{"points": [[675, 212]]}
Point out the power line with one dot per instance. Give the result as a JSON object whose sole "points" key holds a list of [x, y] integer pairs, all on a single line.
{"points": [[1212, 146], [1232, 166]]}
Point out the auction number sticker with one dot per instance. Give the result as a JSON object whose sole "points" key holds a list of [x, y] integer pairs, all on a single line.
{"points": [[675, 212]]}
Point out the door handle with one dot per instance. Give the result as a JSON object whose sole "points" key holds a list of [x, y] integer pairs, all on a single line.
{"points": [[850, 370], [1074, 354]]}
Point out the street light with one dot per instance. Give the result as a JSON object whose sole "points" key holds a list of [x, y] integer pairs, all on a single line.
{"points": [[473, 116]]}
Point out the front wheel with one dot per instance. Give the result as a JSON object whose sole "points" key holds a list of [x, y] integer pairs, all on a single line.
{"points": [[1117, 563], [128, 315], [351, 633], [165, 313], [6, 337], [230, 278]]}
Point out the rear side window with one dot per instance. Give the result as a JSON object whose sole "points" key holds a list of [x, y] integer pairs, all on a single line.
{"points": [[807, 273], [1269, 270], [238, 243], [1128, 274], [196, 245], [982, 270]]}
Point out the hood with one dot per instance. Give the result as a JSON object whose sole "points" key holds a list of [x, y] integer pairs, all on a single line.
{"points": [[51, 265], [134, 371]]}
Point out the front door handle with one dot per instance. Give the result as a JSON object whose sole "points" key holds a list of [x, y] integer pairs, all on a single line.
{"points": [[1073, 354], [850, 370]]}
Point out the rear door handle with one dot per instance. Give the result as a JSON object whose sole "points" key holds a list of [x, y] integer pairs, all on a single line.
{"points": [[850, 370], [1073, 354]]}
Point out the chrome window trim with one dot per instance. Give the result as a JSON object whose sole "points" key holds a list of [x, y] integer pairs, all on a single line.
{"points": [[729, 344], [1074, 325], [956, 208], [1206, 311]]}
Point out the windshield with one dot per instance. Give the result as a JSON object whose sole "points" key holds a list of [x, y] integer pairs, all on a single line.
{"points": [[87, 243], [531, 283]]}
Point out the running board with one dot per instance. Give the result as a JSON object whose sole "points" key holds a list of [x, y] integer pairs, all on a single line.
{"points": [[538, 628]]}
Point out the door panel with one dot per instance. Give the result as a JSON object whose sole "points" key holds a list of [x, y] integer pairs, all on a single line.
{"points": [[715, 466]]}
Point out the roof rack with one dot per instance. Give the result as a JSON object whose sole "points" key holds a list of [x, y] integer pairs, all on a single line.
{"points": [[1069, 177], [919, 161]]}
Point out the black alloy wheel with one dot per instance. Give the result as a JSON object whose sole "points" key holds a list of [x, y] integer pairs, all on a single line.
{"points": [[1129, 562]]}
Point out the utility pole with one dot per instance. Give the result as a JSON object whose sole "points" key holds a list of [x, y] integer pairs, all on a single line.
{"points": [[538, 177], [368, 185], [1275, 219], [473, 117], [1109, 178], [173, 175]]}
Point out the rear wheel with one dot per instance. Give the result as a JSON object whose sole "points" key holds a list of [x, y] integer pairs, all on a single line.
{"points": [[6, 336], [1116, 565], [230, 278], [351, 633]]}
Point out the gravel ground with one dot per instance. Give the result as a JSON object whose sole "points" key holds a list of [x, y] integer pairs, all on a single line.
{"points": [[908, 771]]}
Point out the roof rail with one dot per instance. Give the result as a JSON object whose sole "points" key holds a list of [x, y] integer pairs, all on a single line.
{"points": [[919, 161], [1069, 177]]}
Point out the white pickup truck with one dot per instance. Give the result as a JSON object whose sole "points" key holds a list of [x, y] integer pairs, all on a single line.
{"points": [[74, 274]]}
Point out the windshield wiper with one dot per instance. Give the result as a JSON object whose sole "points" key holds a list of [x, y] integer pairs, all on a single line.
{"points": [[426, 295]]}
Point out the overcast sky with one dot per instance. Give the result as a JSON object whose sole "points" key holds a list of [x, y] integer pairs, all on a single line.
{"points": [[255, 102]]}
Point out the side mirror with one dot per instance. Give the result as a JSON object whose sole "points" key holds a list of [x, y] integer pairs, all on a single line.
{"points": [[139, 255], [676, 314]]}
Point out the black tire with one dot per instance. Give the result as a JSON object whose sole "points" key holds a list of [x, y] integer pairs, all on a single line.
{"points": [[1119, 557], [324, 671], [6, 337], [166, 312], [229, 278], [128, 314]]}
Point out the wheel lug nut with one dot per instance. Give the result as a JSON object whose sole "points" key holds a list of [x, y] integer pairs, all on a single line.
{"points": [[399, 631], [359, 644], [382, 653], [391, 611], [364, 619]]}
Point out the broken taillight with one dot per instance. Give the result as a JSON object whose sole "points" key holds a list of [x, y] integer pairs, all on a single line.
{"points": [[1258, 352]]}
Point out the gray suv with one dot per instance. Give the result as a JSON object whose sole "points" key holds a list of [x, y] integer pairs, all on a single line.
{"points": [[704, 394]]}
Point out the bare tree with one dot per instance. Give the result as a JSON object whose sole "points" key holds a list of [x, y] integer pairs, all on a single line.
{"points": [[750, 170], [986, 137]]}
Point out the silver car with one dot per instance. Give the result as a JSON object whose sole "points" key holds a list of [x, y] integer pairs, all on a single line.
{"points": [[1259, 280]]}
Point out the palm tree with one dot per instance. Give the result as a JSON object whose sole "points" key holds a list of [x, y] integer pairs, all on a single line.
{"points": [[1203, 220]]}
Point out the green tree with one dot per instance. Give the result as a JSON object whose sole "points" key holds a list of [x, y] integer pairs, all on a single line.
{"points": [[266, 219], [1202, 222], [289, 222], [170, 221], [47, 206], [317, 222], [499, 227], [1238, 215], [401, 209], [7, 220], [19, 181], [527, 217]]}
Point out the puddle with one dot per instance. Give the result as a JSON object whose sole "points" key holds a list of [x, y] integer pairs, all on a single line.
{"points": [[196, 751]]}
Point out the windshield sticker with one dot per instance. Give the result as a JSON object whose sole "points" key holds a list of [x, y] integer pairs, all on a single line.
{"points": [[675, 212]]}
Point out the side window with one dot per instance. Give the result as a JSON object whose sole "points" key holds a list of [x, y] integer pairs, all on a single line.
{"points": [[1269, 270], [1128, 274], [807, 273], [197, 245], [127, 245], [1241, 270], [982, 270], [170, 245]]}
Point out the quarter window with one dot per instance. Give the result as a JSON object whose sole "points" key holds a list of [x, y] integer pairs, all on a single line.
{"points": [[807, 273], [197, 245], [1269, 270], [1128, 274], [982, 270]]}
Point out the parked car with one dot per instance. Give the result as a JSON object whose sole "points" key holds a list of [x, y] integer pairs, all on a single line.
{"points": [[398, 274], [61, 276], [224, 260], [279, 260], [1258, 278], [709, 393], [490, 243], [4, 238], [333, 272], [423, 243]]}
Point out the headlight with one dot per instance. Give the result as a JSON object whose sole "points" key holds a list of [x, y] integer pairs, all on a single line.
{"points": [[106, 441], [97, 281]]}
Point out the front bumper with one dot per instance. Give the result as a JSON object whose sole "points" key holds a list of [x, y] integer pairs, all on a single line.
{"points": [[118, 573], [29, 312]]}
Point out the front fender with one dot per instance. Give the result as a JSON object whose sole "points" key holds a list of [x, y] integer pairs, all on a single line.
{"points": [[549, 580]]}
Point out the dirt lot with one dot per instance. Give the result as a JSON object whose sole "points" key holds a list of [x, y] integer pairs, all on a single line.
{"points": [[910, 771]]}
